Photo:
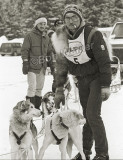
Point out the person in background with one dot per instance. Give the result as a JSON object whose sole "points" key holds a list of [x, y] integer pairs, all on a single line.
{"points": [[35, 49], [92, 69], [58, 23]]}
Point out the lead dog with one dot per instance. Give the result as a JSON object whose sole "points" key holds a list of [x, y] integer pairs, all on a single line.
{"points": [[63, 129], [21, 133]]}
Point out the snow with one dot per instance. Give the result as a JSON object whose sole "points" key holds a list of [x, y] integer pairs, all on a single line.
{"points": [[17, 40], [13, 87]]}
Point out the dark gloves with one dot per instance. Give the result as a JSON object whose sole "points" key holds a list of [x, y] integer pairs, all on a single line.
{"points": [[25, 68], [59, 97], [105, 93]]}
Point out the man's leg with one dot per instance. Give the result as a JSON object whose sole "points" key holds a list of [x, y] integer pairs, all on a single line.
{"points": [[84, 92], [40, 78], [83, 87], [93, 113], [31, 79]]}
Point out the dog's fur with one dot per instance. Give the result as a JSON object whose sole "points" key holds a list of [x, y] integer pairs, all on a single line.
{"points": [[20, 123], [73, 135], [60, 40]]}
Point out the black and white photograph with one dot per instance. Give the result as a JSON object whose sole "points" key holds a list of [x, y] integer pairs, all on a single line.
{"points": [[61, 80]]}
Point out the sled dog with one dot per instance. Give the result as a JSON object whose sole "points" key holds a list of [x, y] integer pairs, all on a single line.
{"points": [[22, 131], [63, 129]]}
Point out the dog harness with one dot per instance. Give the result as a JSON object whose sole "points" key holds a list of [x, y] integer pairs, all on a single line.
{"points": [[57, 139], [19, 138]]}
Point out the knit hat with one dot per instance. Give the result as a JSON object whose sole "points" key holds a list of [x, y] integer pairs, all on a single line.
{"points": [[40, 20], [72, 8]]}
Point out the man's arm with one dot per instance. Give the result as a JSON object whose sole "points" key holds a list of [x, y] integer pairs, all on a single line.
{"points": [[25, 48], [25, 54], [101, 56], [51, 57]]}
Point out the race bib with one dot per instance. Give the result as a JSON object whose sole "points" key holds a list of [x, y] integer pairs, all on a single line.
{"points": [[76, 52]]}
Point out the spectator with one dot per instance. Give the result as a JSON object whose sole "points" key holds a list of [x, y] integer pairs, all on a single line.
{"points": [[92, 69], [35, 50]]}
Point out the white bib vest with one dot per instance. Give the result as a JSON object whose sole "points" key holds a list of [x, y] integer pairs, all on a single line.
{"points": [[76, 52]]}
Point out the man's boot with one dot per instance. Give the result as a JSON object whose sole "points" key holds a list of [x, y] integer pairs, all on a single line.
{"points": [[38, 102], [32, 99], [78, 157], [101, 157]]}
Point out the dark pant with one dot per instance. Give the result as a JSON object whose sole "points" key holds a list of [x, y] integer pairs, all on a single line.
{"points": [[90, 99]]}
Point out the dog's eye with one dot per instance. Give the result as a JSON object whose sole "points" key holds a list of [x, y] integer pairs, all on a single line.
{"points": [[32, 107]]}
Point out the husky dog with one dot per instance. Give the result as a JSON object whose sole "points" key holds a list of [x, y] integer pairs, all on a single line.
{"points": [[22, 131], [47, 107], [63, 128]]}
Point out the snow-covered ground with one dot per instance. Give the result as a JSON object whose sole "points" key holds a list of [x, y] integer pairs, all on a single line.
{"points": [[13, 88]]}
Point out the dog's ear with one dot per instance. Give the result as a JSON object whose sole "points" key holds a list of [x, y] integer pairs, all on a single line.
{"points": [[23, 105], [27, 102], [18, 105]]}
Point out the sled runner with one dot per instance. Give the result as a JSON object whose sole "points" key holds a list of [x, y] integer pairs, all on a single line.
{"points": [[116, 76]]}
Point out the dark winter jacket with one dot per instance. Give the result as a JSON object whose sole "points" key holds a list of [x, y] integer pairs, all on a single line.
{"points": [[35, 49], [98, 66]]}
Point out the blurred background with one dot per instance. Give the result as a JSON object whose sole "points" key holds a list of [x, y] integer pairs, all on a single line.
{"points": [[18, 16]]}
